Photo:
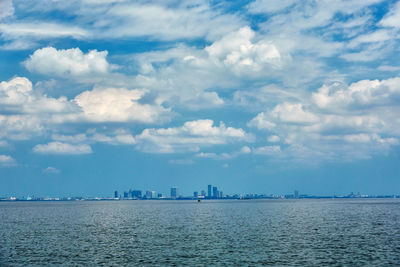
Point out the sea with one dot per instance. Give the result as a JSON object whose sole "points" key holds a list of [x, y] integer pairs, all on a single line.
{"points": [[298, 232]]}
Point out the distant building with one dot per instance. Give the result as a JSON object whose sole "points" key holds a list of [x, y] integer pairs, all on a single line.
{"points": [[215, 192], [116, 194], [159, 195], [136, 193], [125, 194], [153, 194], [209, 191], [148, 194], [296, 194], [221, 195], [174, 192], [195, 194], [203, 193]]}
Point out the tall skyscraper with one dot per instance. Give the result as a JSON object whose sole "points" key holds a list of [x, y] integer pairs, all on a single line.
{"points": [[116, 194], [174, 192], [215, 192], [209, 191]]}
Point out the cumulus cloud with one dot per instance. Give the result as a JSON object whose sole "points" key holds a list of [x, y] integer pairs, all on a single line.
{"points": [[237, 51], [27, 111], [17, 96], [51, 61], [60, 148], [119, 105], [364, 93], [338, 122], [189, 137]]}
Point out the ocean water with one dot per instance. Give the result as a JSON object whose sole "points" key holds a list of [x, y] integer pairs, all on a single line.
{"points": [[337, 232]]}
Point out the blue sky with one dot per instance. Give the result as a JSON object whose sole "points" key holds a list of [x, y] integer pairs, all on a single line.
{"points": [[253, 96]]}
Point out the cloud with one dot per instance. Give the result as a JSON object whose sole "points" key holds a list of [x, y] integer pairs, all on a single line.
{"points": [[192, 19], [273, 138], [338, 122], [6, 8], [268, 6], [364, 93], [59, 148], [51, 170], [51, 61], [6, 160], [189, 137], [28, 112], [392, 18], [157, 20], [119, 105], [37, 30], [116, 137], [225, 155], [237, 51], [17, 96], [20, 127], [267, 150]]}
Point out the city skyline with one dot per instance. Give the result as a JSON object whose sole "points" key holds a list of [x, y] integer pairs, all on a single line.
{"points": [[255, 95]]}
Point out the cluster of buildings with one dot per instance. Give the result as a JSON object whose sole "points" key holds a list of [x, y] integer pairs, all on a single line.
{"points": [[212, 193]]}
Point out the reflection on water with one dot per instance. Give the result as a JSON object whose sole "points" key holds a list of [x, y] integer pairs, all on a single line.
{"points": [[251, 232]]}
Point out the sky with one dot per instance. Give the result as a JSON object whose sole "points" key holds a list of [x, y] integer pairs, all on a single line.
{"points": [[263, 96]]}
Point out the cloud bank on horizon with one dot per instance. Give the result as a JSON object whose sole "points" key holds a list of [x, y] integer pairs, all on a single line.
{"points": [[290, 81]]}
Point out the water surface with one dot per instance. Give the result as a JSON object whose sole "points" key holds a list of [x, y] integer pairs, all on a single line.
{"points": [[228, 232]]}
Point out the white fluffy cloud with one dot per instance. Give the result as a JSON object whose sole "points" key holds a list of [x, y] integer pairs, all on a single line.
{"points": [[51, 61], [237, 51], [337, 122], [118, 105], [62, 148], [189, 137], [25, 112], [365, 93], [17, 95]]}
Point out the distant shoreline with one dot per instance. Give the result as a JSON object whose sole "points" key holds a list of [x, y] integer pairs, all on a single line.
{"points": [[192, 199]]}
